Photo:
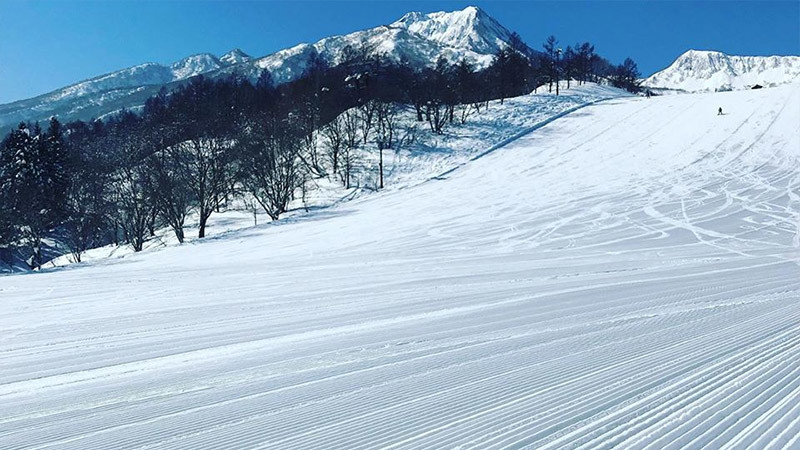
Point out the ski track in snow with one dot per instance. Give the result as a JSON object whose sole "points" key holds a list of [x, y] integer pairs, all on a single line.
{"points": [[625, 276]]}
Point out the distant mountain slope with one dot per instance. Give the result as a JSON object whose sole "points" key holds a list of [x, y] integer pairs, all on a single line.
{"points": [[110, 92], [416, 38], [704, 71]]}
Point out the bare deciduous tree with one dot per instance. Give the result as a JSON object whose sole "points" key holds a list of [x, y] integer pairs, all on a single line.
{"points": [[334, 135], [350, 128], [172, 194], [386, 124], [272, 175], [366, 113], [204, 163], [132, 193]]}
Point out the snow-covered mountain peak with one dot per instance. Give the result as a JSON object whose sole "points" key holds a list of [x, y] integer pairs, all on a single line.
{"points": [[692, 53], [195, 65], [235, 56], [702, 61], [470, 13], [409, 18], [417, 39], [470, 28], [708, 70]]}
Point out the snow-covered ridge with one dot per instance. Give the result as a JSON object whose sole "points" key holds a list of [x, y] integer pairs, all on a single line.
{"points": [[143, 74], [416, 38], [126, 88], [707, 71]]}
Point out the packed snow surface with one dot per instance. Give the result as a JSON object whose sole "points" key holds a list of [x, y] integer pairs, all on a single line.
{"points": [[708, 71], [626, 275]]}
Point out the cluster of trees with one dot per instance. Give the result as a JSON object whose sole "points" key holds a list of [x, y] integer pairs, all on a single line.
{"points": [[189, 151], [33, 185], [197, 147], [581, 63]]}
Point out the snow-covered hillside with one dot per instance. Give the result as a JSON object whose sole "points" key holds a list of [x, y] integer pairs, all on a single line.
{"points": [[626, 276], [417, 39], [707, 71], [406, 165]]}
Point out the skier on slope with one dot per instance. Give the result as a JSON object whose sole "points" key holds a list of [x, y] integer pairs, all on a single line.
{"points": [[719, 112]]}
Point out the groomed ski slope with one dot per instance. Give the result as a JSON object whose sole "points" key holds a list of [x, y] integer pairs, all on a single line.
{"points": [[627, 275]]}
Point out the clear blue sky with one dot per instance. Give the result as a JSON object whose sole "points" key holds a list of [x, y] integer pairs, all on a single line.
{"points": [[45, 45]]}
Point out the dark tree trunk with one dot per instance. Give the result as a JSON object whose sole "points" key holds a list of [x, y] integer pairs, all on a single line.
{"points": [[380, 167], [204, 215], [151, 222]]}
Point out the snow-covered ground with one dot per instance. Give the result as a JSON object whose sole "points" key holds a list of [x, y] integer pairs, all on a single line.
{"points": [[626, 275]]}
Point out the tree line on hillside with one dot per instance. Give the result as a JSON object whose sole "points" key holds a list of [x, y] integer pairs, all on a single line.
{"points": [[194, 149]]}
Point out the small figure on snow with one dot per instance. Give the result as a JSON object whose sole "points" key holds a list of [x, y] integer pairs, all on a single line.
{"points": [[719, 112]]}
